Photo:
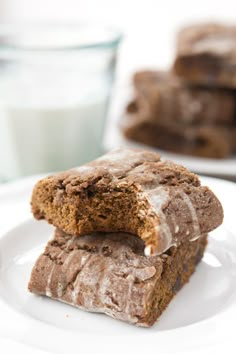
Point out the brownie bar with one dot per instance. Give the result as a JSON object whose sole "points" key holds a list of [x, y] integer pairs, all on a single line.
{"points": [[108, 273], [204, 141], [206, 55], [163, 98], [130, 191]]}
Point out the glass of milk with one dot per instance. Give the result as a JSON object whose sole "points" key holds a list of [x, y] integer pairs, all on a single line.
{"points": [[55, 84]]}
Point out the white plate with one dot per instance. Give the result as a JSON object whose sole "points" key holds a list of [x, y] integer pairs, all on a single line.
{"points": [[113, 138], [201, 318]]}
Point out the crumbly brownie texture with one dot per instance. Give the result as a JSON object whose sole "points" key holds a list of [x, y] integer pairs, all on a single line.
{"points": [[206, 55], [163, 98], [129, 191], [204, 141], [108, 273]]}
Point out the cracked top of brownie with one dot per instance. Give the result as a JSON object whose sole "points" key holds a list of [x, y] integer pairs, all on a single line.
{"points": [[129, 191]]}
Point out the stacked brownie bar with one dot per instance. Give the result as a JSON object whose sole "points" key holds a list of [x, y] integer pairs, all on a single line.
{"points": [[191, 109], [206, 55], [129, 232]]}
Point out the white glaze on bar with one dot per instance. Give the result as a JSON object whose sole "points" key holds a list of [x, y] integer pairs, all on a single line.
{"points": [[173, 219], [104, 282], [217, 44], [104, 285], [148, 250], [93, 287], [176, 229], [117, 155], [83, 262], [48, 287], [119, 160], [129, 293], [65, 266], [157, 198], [125, 157], [196, 227], [83, 168]]}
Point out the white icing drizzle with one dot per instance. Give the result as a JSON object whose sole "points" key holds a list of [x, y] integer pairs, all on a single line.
{"points": [[74, 294], [66, 265], [97, 287], [157, 198], [196, 227], [176, 229], [148, 250], [104, 285], [70, 241], [83, 168], [118, 154], [48, 287], [69, 257], [103, 280], [190, 107], [173, 219], [123, 156], [129, 293], [217, 44]]}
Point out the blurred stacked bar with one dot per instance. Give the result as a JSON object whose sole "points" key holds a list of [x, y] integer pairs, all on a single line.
{"points": [[190, 110], [206, 55]]}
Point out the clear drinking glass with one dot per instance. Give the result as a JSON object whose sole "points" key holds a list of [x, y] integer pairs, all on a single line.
{"points": [[55, 83]]}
